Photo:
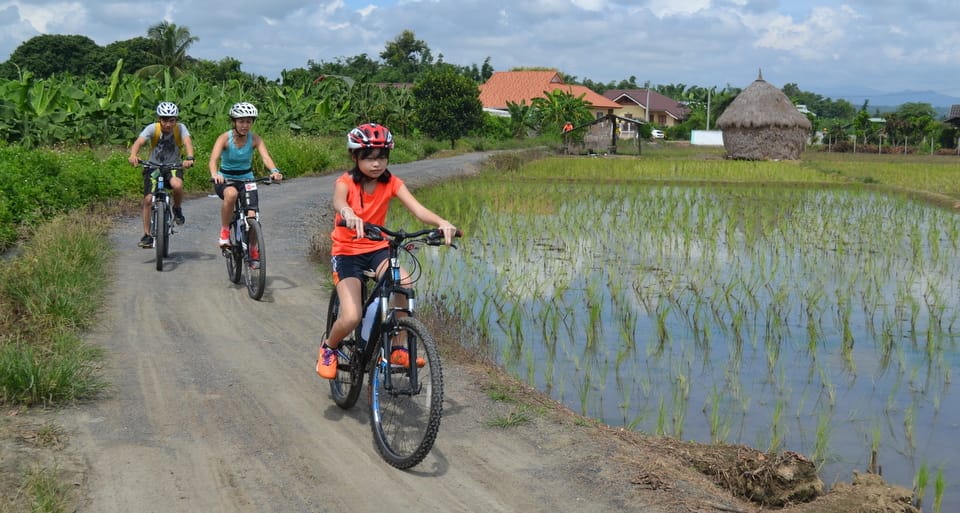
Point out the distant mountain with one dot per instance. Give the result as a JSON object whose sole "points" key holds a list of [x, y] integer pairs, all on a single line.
{"points": [[890, 101]]}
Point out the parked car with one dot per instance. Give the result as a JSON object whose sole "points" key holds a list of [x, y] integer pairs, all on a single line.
{"points": [[656, 134]]}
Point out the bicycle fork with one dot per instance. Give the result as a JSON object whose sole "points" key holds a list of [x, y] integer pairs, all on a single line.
{"points": [[387, 369]]}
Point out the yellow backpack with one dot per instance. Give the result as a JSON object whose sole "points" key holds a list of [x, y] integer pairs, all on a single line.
{"points": [[177, 137]]}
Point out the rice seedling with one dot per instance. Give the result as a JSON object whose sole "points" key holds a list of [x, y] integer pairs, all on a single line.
{"points": [[939, 488], [920, 485], [750, 290]]}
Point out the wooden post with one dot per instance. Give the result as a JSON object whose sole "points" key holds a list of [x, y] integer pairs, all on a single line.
{"points": [[613, 134]]}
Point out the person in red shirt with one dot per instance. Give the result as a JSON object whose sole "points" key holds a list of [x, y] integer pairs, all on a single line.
{"points": [[361, 195]]}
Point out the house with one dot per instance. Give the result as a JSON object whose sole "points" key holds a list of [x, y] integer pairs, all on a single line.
{"points": [[523, 86], [954, 117], [664, 111]]}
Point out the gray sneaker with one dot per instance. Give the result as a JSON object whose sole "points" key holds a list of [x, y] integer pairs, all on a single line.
{"points": [[146, 241], [178, 216]]}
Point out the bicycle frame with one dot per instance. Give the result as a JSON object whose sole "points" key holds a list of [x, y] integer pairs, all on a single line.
{"points": [[385, 288]]}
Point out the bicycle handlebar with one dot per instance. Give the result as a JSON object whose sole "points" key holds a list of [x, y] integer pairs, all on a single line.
{"points": [[434, 237], [266, 180], [153, 165]]}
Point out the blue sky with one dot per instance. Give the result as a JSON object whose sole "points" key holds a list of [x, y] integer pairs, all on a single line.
{"points": [[828, 47]]}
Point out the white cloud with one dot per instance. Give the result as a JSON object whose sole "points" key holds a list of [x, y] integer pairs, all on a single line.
{"points": [[65, 16], [815, 38], [663, 8]]}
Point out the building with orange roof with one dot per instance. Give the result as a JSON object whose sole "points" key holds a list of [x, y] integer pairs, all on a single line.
{"points": [[523, 86]]}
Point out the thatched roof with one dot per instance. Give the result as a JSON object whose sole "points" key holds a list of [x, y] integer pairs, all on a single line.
{"points": [[762, 105]]}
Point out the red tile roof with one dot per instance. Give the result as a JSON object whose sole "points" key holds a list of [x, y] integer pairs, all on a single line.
{"points": [[514, 86], [658, 102]]}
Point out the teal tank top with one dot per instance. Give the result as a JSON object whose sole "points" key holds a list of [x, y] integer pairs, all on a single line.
{"points": [[235, 160]]}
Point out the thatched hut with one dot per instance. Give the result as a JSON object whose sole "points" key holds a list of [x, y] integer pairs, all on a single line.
{"points": [[763, 124]]}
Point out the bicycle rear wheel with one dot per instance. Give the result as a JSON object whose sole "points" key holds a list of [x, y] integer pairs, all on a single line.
{"points": [[405, 414], [255, 269], [160, 229], [234, 256], [345, 388]]}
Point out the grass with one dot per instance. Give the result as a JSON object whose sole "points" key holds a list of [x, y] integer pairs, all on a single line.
{"points": [[516, 417], [49, 296], [51, 292]]}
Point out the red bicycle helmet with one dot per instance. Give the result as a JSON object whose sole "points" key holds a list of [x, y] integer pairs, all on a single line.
{"points": [[369, 135]]}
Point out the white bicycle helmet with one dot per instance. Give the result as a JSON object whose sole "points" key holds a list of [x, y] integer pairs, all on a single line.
{"points": [[167, 110], [243, 110]]}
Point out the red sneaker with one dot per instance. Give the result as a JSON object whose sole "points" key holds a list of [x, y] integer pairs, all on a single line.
{"points": [[224, 237]]}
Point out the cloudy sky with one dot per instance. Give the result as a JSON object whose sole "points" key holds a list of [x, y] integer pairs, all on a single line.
{"points": [[832, 47]]}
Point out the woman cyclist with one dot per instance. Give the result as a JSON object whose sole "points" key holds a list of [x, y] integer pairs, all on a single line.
{"points": [[363, 195], [232, 159]]}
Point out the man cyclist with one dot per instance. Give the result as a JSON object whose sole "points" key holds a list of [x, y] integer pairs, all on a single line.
{"points": [[169, 140]]}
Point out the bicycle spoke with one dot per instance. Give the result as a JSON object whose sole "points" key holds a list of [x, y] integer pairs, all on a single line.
{"points": [[406, 415]]}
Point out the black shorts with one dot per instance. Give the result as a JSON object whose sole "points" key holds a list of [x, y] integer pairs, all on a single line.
{"points": [[149, 183], [251, 199], [353, 266]]}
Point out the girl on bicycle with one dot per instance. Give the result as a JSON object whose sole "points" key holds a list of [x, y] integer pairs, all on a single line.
{"points": [[232, 159], [363, 195]]}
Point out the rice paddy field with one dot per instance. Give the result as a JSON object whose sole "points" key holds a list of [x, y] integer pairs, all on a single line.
{"points": [[807, 306]]}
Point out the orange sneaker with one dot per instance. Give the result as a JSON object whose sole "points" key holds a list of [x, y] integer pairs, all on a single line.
{"points": [[401, 357], [327, 362]]}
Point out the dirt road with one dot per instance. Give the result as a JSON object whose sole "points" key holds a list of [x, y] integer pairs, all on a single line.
{"points": [[214, 405]]}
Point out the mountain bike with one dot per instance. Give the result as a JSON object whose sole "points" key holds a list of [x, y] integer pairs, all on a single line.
{"points": [[246, 253], [405, 403], [161, 216]]}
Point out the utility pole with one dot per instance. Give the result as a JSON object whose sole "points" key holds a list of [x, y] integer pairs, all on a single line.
{"points": [[646, 107], [708, 107]]}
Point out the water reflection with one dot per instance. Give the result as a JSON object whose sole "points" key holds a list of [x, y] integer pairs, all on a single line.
{"points": [[819, 321]]}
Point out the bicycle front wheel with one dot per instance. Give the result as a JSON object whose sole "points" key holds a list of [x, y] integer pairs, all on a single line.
{"points": [[345, 388], [407, 403], [234, 256], [255, 260], [168, 224], [160, 229]]}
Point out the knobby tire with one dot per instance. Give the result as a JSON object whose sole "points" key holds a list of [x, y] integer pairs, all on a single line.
{"points": [[168, 223], [405, 425], [160, 229], [233, 256], [256, 278]]}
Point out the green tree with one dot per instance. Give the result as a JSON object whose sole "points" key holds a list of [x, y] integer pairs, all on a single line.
{"points": [[446, 105], [521, 118], [136, 53], [359, 67], [50, 54], [405, 58], [170, 49], [557, 107], [219, 72]]}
